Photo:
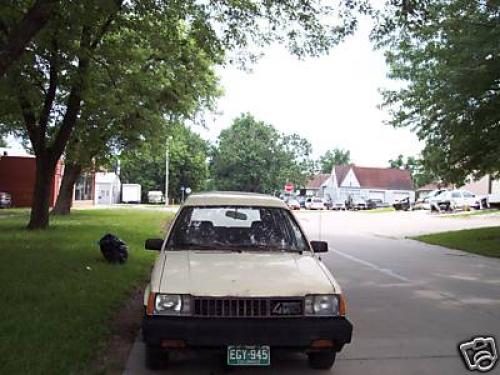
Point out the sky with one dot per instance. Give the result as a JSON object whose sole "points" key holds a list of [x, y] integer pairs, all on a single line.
{"points": [[331, 100]]}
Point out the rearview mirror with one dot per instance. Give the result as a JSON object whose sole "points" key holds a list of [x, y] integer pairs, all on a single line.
{"points": [[236, 215], [153, 244], [319, 246]]}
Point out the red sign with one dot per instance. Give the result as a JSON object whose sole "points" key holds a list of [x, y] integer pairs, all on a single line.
{"points": [[289, 187]]}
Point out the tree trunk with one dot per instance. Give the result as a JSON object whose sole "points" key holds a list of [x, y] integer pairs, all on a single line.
{"points": [[65, 197], [45, 171]]}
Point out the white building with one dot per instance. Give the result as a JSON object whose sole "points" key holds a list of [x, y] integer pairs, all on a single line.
{"points": [[317, 184], [107, 188], [385, 184]]}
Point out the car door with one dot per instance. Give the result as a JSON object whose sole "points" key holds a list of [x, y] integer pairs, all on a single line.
{"points": [[457, 199], [469, 198]]}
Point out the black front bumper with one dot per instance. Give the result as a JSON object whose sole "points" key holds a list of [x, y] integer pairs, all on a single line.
{"points": [[296, 333]]}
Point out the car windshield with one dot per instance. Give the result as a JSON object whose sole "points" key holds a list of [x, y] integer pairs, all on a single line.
{"points": [[236, 228]]}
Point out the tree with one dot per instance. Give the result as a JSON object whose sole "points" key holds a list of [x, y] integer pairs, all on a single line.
{"points": [[336, 156], [398, 163], [253, 156], [296, 166], [188, 165], [19, 28], [446, 53], [41, 96], [418, 169], [109, 124]]}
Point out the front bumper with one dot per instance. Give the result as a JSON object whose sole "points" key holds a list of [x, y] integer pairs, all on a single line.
{"points": [[296, 333]]}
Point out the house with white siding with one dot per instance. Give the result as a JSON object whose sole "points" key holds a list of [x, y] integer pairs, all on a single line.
{"points": [[386, 184], [317, 184]]}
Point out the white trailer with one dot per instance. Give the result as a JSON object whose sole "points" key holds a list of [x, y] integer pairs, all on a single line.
{"points": [[131, 193]]}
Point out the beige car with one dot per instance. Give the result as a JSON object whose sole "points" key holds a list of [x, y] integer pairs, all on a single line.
{"points": [[236, 273]]}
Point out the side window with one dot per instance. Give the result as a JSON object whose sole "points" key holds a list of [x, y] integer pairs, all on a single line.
{"points": [[298, 236], [455, 194], [468, 194]]}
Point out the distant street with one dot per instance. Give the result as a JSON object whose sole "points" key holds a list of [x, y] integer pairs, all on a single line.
{"points": [[411, 303]]}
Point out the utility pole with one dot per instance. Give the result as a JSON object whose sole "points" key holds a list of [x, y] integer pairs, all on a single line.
{"points": [[167, 165]]}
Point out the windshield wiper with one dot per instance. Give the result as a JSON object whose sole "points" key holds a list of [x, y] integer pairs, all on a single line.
{"points": [[270, 248], [237, 248], [191, 246], [213, 246]]}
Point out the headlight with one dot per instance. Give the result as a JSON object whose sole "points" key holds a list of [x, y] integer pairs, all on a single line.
{"points": [[172, 304], [323, 305]]}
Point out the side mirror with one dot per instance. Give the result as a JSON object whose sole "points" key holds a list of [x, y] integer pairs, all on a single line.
{"points": [[153, 244], [319, 246]]}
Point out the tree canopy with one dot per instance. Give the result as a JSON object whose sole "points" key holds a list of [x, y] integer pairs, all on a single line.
{"points": [[188, 167], [19, 25], [253, 156], [44, 94], [335, 156], [446, 57], [421, 175]]}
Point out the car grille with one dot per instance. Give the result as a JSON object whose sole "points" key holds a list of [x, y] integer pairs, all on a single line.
{"points": [[246, 307]]}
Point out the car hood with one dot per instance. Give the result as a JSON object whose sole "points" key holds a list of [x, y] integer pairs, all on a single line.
{"points": [[248, 274]]}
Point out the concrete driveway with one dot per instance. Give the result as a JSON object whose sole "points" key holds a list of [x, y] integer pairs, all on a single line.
{"points": [[411, 303]]}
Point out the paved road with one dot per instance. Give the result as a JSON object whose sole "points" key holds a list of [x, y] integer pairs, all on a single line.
{"points": [[411, 303]]}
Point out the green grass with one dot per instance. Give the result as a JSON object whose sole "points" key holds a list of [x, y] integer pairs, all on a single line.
{"points": [[483, 241], [467, 214], [379, 210], [58, 294], [13, 211]]}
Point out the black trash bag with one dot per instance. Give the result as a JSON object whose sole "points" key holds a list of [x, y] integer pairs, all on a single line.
{"points": [[113, 249]]}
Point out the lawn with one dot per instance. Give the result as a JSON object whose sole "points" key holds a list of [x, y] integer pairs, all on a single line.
{"points": [[379, 210], [467, 214], [58, 294], [483, 241], [13, 211]]}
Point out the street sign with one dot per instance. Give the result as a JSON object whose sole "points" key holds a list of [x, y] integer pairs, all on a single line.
{"points": [[188, 190], [289, 187]]}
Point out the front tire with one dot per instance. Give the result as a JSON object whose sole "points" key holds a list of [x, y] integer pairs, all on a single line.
{"points": [[156, 358], [322, 360]]}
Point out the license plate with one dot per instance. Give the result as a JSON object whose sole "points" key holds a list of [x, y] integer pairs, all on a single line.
{"points": [[239, 355]]}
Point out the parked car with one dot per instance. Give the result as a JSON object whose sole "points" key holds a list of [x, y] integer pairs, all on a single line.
{"points": [[424, 202], [293, 204], [155, 197], [212, 287], [302, 201], [493, 201], [451, 200], [5, 199], [356, 203], [317, 204], [328, 203], [374, 203], [403, 205], [308, 203], [338, 205]]}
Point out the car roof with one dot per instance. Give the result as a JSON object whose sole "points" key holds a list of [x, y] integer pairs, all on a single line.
{"points": [[234, 198]]}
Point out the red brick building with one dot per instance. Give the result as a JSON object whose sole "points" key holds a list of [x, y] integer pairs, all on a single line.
{"points": [[17, 177]]}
